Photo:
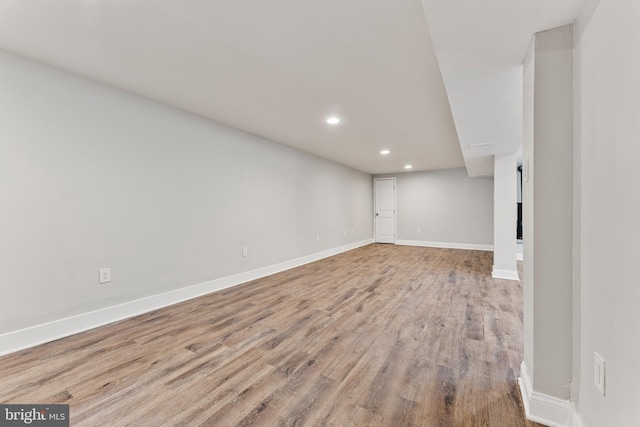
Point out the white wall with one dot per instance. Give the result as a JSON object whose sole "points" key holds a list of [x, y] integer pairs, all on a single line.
{"points": [[93, 177], [447, 206], [505, 215], [607, 106], [548, 212], [528, 187]]}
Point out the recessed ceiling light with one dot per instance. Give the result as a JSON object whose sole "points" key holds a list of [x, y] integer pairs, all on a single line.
{"points": [[385, 152], [408, 166], [333, 120]]}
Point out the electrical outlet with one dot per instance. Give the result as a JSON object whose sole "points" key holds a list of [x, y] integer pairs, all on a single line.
{"points": [[419, 230], [104, 275], [317, 237], [245, 251], [352, 232], [345, 233], [599, 372]]}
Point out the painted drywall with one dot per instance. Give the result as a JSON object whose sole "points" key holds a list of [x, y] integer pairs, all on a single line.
{"points": [[607, 102], [94, 177], [528, 188], [446, 205], [548, 151], [505, 216]]}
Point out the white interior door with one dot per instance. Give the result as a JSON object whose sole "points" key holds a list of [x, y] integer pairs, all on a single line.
{"points": [[385, 210]]}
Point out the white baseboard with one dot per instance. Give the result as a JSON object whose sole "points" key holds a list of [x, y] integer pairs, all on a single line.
{"points": [[576, 420], [39, 334], [544, 409], [497, 273], [445, 245]]}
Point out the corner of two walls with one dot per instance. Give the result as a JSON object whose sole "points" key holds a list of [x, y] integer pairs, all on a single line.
{"points": [[548, 221], [444, 208], [591, 306]]}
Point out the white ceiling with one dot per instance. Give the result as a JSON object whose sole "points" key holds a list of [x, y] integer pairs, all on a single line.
{"points": [[480, 46], [278, 69]]}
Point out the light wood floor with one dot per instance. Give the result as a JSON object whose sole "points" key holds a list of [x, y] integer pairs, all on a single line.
{"points": [[382, 335]]}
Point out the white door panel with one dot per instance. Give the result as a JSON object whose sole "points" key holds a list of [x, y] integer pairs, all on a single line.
{"points": [[385, 210]]}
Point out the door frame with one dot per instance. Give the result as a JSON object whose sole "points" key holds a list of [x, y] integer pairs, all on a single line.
{"points": [[395, 210]]}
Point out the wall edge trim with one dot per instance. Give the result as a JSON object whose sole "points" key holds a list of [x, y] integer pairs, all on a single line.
{"points": [[498, 273], [445, 245], [576, 419], [32, 336], [544, 409]]}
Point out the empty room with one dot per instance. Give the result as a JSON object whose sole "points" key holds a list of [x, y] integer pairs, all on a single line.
{"points": [[363, 213]]}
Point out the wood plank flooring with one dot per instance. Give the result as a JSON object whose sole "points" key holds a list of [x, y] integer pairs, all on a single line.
{"points": [[383, 335]]}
